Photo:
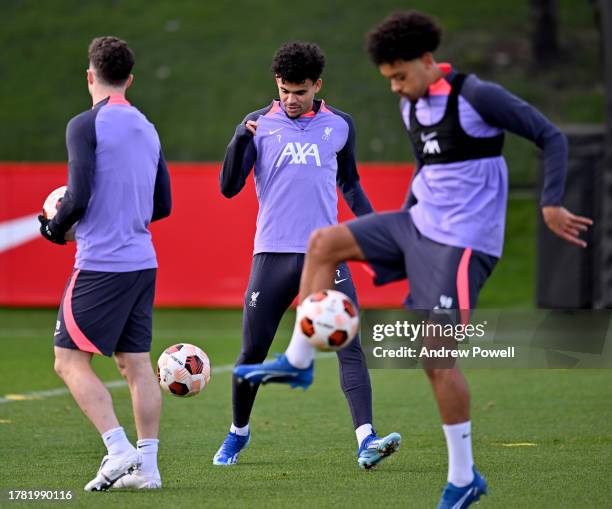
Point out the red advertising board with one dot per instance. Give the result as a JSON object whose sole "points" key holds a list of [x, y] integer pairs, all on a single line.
{"points": [[204, 248]]}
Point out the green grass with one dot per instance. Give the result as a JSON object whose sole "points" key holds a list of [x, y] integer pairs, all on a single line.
{"points": [[303, 448], [201, 66], [303, 451]]}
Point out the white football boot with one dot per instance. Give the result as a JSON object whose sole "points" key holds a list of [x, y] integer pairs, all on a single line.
{"points": [[139, 480], [111, 469]]}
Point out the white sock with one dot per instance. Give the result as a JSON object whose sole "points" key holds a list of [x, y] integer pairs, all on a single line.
{"points": [[362, 432], [116, 442], [299, 352], [241, 432], [147, 449], [460, 460]]}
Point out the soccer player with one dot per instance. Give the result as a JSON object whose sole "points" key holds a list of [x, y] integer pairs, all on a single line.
{"points": [[448, 236], [117, 184], [302, 149]]}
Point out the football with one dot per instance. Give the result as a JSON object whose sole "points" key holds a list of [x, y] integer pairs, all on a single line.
{"points": [[183, 370], [329, 319], [52, 203]]}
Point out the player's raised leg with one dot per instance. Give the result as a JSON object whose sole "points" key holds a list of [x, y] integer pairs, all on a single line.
{"points": [[93, 398], [146, 404], [327, 247]]}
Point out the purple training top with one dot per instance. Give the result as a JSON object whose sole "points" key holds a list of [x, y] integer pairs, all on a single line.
{"points": [[463, 203], [298, 164], [117, 184]]}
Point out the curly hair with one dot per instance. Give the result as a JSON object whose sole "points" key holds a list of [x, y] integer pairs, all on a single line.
{"points": [[403, 36], [112, 59], [295, 62]]}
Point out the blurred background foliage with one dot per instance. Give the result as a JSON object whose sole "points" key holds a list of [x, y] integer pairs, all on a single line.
{"points": [[201, 66]]}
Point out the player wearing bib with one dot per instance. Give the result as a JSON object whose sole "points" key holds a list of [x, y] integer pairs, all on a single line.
{"points": [[117, 184], [301, 150], [448, 236]]}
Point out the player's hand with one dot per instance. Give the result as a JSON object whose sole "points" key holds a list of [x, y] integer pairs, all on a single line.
{"points": [[251, 126], [566, 225], [47, 232]]}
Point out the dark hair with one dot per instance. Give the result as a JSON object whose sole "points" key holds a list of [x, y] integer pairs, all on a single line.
{"points": [[112, 59], [295, 62], [403, 36]]}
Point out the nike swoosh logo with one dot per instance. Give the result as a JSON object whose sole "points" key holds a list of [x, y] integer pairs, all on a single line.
{"points": [[272, 376], [15, 232], [429, 136], [268, 374], [338, 281], [56, 333], [459, 503], [275, 130]]}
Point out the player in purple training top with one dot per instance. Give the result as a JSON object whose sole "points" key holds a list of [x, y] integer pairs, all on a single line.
{"points": [[117, 184], [301, 149], [448, 236]]}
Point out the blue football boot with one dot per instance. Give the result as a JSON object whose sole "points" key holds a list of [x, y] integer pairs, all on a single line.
{"points": [[373, 449], [460, 498], [230, 449], [276, 371]]}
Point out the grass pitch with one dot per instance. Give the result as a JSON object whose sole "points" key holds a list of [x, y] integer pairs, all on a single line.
{"points": [[303, 451], [542, 438]]}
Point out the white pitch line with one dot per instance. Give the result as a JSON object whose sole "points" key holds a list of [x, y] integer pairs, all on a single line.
{"points": [[63, 391], [114, 384]]}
